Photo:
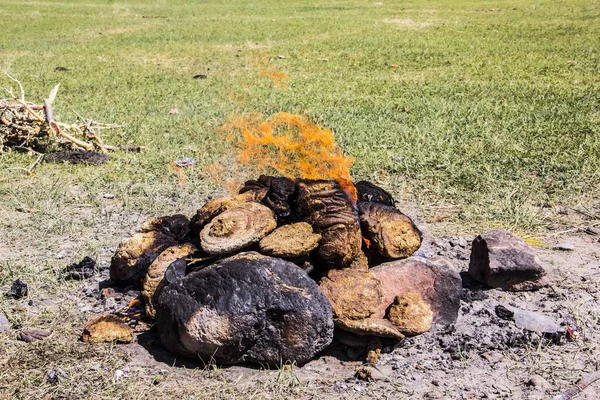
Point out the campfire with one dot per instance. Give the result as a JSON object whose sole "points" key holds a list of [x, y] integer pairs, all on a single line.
{"points": [[265, 274]]}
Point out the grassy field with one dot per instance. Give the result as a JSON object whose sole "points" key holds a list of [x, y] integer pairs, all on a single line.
{"points": [[479, 113], [492, 108]]}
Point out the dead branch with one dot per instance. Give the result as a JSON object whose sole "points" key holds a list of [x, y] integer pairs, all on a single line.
{"points": [[578, 387]]}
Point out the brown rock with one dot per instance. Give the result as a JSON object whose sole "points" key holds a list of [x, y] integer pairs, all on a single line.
{"points": [[237, 228], [410, 314], [329, 210], [391, 233], [294, 240], [135, 254], [373, 326], [353, 294], [156, 273], [435, 280], [504, 261], [107, 328], [218, 206]]}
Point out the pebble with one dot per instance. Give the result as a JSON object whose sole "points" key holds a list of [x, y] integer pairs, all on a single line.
{"points": [[110, 304], [538, 383], [564, 247], [54, 375], [4, 323], [493, 357]]}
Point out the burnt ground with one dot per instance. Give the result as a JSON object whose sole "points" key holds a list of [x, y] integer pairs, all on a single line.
{"points": [[481, 356]]}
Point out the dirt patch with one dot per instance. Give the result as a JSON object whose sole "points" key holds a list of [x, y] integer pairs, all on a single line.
{"points": [[481, 355]]}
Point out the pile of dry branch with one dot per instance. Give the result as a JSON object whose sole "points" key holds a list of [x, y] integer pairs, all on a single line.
{"points": [[29, 126]]}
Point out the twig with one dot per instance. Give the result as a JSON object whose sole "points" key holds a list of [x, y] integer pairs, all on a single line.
{"points": [[18, 83], [74, 140], [579, 387], [579, 228], [35, 164]]}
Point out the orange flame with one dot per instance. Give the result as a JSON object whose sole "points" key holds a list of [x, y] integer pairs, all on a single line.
{"points": [[292, 146]]}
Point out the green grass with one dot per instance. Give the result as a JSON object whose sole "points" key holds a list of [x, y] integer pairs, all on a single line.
{"points": [[493, 107]]}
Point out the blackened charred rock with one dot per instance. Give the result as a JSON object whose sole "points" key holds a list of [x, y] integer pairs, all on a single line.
{"points": [[246, 308], [326, 206], [18, 289], [504, 261], [84, 269], [504, 313], [368, 191], [135, 254], [280, 198], [177, 226], [77, 157]]}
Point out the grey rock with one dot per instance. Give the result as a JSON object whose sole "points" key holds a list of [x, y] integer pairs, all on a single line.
{"points": [[4, 323], [534, 322], [564, 247], [246, 308], [493, 357], [504, 261], [538, 383]]}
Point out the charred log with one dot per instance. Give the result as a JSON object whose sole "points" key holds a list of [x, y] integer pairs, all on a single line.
{"points": [[391, 234], [326, 206], [237, 228], [368, 192]]}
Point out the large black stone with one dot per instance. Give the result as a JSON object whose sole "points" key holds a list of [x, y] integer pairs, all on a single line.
{"points": [[246, 308]]}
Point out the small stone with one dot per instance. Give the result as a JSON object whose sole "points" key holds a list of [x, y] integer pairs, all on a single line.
{"points": [[492, 357], [31, 335], [539, 383], [108, 196], [535, 322], [54, 375], [18, 289], [504, 261], [107, 328], [119, 374], [564, 246], [4, 323], [110, 304], [84, 269]]}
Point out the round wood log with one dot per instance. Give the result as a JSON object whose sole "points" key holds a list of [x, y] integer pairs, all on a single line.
{"points": [[391, 234], [289, 241], [237, 228], [326, 206]]}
